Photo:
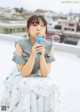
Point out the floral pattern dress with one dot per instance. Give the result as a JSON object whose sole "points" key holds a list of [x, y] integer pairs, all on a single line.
{"points": [[33, 93]]}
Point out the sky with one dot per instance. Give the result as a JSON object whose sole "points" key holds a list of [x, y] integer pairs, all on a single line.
{"points": [[64, 6]]}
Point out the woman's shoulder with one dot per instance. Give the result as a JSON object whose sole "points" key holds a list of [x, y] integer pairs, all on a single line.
{"points": [[23, 42], [48, 44]]}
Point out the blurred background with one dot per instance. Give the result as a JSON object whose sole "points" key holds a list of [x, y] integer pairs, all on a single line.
{"points": [[63, 22]]}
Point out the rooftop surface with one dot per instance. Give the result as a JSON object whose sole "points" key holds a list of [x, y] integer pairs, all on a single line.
{"points": [[65, 72]]}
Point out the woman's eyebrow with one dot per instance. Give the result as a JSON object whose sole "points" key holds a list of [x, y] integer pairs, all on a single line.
{"points": [[38, 23], [34, 22]]}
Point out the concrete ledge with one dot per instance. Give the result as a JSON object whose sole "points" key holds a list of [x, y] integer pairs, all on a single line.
{"points": [[9, 37], [67, 48], [57, 46]]}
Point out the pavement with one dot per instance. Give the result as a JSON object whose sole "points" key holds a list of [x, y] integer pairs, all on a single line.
{"points": [[65, 72]]}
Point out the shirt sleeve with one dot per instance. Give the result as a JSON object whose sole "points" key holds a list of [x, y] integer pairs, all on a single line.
{"points": [[49, 57], [16, 58]]}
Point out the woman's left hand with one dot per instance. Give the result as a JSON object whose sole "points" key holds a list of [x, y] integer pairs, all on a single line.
{"points": [[41, 49]]}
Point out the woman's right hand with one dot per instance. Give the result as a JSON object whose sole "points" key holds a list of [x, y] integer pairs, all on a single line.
{"points": [[35, 49]]}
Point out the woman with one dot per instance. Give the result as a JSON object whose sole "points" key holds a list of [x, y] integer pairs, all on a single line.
{"points": [[28, 88]]}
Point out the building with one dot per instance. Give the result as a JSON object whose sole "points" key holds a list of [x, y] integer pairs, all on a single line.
{"points": [[14, 28], [69, 26]]}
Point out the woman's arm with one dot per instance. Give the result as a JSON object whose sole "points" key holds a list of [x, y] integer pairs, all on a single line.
{"points": [[26, 69], [44, 67]]}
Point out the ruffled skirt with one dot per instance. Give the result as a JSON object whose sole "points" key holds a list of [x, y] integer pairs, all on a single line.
{"points": [[30, 94]]}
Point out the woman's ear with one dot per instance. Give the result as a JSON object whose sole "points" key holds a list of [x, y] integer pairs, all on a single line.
{"points": [[27, 31], [44, 35]]}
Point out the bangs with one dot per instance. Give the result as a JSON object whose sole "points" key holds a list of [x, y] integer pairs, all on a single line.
{"points": [[36, 19]]}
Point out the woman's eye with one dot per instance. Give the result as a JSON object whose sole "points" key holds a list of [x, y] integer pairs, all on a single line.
{"points": [[34, 24], [42, 25]]}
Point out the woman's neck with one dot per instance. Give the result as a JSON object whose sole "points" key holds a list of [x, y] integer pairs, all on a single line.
{"points": [[33, 40]]}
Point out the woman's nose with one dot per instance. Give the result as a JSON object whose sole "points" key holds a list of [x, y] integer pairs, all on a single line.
{"points": [[39, 27]]}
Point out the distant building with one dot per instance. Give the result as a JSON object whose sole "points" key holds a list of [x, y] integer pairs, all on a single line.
{"points": [[14, 29], [69, 25]]}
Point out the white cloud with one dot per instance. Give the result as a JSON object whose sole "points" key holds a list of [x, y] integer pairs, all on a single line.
{"points": [[55, 5]]}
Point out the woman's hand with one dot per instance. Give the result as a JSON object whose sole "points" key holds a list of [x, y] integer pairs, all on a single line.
{"points": [[38, 48], [34, 49], [42, 49]]}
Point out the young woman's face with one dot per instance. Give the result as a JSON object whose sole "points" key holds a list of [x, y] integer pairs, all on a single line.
{"points": [[35, 27]]}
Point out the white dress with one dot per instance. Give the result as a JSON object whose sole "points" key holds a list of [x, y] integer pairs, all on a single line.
{"points": [[34, 93]]}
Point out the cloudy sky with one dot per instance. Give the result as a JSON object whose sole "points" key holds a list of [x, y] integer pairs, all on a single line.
{"points": [[64, 6]]}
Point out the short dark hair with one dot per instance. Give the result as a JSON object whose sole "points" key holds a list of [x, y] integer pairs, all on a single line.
{"points": [[36, 19]]}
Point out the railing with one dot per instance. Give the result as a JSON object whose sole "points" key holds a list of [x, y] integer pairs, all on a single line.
{"points": [[57, 46], [66, 33]]}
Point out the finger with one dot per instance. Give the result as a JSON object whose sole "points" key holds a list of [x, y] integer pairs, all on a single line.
{"points": [[43, 45], [39, 48], [39, 51], [35, 45]]}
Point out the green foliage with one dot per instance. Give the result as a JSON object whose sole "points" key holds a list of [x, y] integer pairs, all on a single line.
{"points": [[19, 10]]}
